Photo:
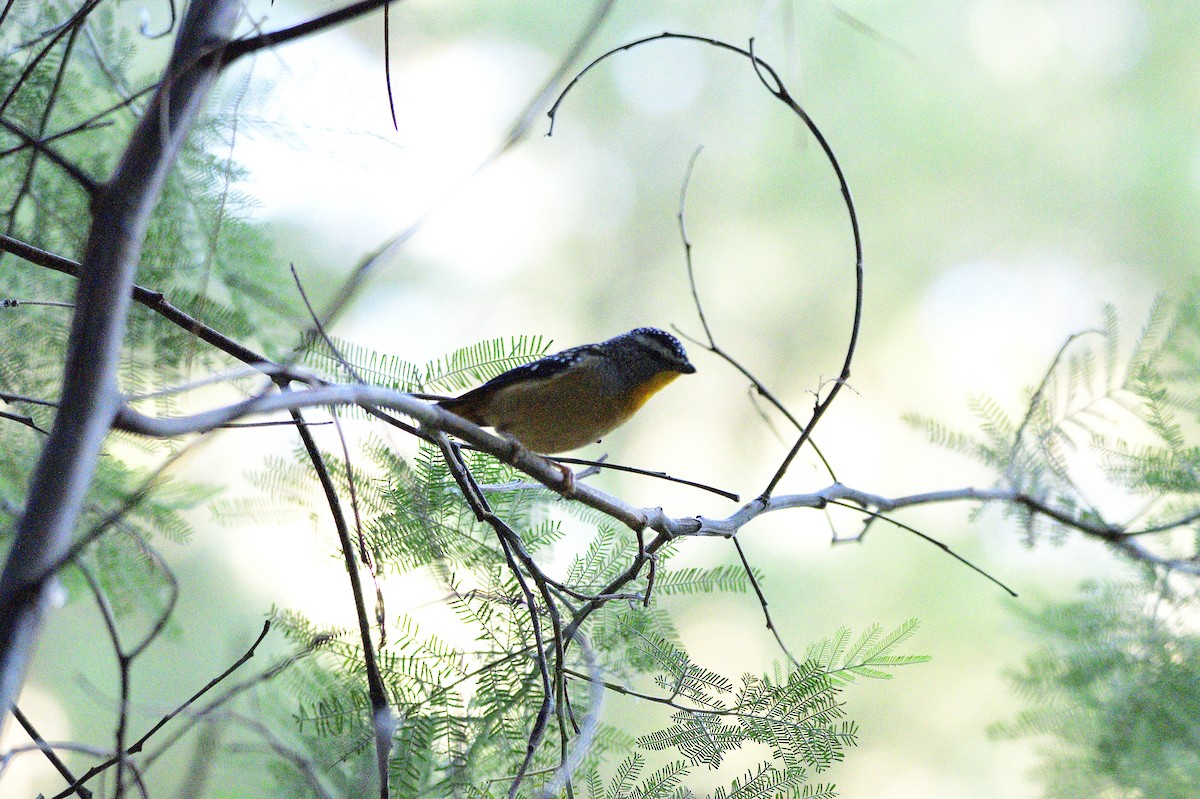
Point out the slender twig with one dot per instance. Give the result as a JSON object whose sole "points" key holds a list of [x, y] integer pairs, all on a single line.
{"points": [[387, 63], [763, 70], [364, 553], [762, 601], [37, 303], [123, 661], [18, 398], [595, 466], [153, 300], [940, 545], [125, 657], [276, 373], [38, 146], [85, 181], [192, 718], [686, 240], [375, 687], [165, 31], [46, 749], [64, 746], [127, 505], [22, 419], [774, 84], [301, 761], [94, 120], [1035, 401], [586, 732], [217, 215], [137, 745], [872, 32], [658, 475], [252, 44], [350, 370], [670, 701], [85, 128]]}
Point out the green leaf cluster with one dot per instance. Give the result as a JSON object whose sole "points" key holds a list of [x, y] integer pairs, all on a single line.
{"points": [[466, 702], [1114, 695]]}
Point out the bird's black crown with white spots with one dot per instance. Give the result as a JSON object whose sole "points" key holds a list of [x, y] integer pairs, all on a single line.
{"points": [[660, 350]]}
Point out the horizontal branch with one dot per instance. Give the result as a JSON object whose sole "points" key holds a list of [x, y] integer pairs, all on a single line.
{"points": [[154, 300], [428, 415], [431, 418]]}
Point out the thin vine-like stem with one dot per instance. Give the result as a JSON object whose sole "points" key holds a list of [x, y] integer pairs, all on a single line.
{"points": [[387, 63], [351, 482], [771, 80], [927, 538], [762, 601], [711, 344]]}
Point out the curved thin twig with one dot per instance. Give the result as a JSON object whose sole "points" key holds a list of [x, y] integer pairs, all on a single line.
{"points": [[712, 346], [774, 84]]}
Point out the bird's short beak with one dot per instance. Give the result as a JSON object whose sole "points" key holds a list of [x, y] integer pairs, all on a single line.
{"points": [[687, 369]]}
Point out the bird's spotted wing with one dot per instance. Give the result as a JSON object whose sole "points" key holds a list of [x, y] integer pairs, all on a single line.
{"points": [[541, 369]]}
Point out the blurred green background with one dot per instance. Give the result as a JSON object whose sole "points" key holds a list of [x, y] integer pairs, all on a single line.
{"points": [[1016, 164]]}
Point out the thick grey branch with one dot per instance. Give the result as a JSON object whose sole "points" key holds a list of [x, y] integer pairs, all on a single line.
{"points": [[90, 400]]}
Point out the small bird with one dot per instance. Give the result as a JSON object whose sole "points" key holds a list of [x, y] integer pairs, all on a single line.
{"points": [[574, 397]]}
